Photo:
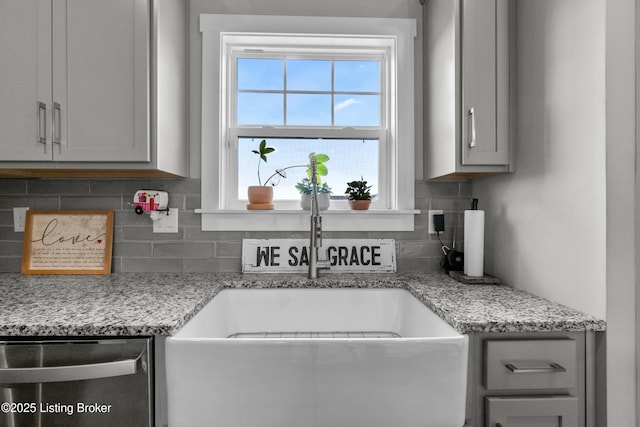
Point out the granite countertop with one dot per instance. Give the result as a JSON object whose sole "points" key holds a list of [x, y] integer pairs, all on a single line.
{"points": [[137, 304]]}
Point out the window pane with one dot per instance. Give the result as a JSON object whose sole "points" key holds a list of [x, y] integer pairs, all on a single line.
{"points": [[348, 160], [357, 110], [357, 76], [260, 74], [308, 110], [260, 108], [308, 75]]}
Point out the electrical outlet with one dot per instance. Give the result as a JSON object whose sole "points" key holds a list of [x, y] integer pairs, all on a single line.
{"points": [[19, 218], [167, 222], [431, 213]]}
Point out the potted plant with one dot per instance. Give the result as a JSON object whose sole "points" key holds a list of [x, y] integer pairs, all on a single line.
{"points": [[305, 187], [358, 194], [261, 196]]}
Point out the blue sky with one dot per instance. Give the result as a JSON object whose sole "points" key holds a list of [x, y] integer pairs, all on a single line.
{"points": [[262, 93], [310, 101]]}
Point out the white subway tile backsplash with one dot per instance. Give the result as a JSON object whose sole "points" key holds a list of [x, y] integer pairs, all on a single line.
{"points": [[137, 249]]}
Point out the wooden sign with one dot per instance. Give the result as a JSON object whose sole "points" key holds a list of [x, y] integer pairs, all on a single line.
{"points": [[344, 255], [67, 242]]}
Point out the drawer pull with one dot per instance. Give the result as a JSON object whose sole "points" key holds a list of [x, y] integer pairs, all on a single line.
{"points": [[42, 123], [57, 124], [472, 128], [553, 367]]}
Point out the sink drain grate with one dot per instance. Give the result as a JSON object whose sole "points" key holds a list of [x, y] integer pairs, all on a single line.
{"points": [[335, 334]]}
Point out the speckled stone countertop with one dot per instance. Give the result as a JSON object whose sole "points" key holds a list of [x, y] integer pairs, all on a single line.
{"points": [[129, 304]]}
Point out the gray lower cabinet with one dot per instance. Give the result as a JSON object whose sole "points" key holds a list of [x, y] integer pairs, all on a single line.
{"points": [[542, 379], [540, 411]]}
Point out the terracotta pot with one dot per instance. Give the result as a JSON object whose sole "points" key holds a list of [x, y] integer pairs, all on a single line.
{"points": [[359, 205], [323, 201], [260, 197]]}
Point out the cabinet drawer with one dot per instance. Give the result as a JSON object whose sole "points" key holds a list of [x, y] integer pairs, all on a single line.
{"points": [[530, 364], [541, 411]]}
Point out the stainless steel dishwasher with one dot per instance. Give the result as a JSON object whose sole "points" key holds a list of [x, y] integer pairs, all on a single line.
{"points": [[80, 382]]}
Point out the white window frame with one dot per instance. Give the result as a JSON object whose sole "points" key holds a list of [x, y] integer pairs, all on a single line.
{"points": [[353, 48], [220, 207]]}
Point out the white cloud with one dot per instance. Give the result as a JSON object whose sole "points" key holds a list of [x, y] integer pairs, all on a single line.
{"points": [[345, 104]]}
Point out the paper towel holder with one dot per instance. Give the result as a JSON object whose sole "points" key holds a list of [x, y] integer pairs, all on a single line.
{"points": [[474, 240]]}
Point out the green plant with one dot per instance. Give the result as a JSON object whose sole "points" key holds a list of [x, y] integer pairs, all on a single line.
{"points": [[306, 187], [262, 152], [321, 168], [358, 190]]}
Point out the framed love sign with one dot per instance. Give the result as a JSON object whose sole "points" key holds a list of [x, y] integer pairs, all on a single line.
{"points": [[67, 242]]}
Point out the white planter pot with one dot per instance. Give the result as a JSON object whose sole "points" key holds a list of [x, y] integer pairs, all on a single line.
{"points": [[323, 201]]}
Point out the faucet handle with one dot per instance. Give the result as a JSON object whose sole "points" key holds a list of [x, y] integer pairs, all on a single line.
{"points": [[317, 229], [324, 264]]}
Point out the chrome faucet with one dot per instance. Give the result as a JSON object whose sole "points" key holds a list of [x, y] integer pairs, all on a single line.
{"points": [[315, 239]]}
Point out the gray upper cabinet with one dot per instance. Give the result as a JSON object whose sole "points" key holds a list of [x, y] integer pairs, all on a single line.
{"points": [[100, 80], [80, 83], [25, 80], [466, 88]]}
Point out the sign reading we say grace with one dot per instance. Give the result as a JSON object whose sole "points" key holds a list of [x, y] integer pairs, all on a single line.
{"points": [[344, 255]]}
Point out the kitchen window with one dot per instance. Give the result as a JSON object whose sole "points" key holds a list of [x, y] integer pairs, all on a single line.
{"points": [[339, 86]]}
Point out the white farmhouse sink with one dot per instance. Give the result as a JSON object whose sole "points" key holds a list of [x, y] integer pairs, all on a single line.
{"points": [[316, 358]]}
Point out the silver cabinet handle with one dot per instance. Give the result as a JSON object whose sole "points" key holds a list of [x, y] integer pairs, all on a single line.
{"points": [[472, 128], [553, 367], [57, 124], [71, 373], [42, 123]]}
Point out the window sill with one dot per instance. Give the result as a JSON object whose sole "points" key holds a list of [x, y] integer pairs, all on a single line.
{"points": [[298, 220]]}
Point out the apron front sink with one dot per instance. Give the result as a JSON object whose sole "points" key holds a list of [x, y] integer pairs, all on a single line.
{"points": [[316, 357]]}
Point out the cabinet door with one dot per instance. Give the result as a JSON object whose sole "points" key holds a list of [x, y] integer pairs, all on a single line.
{"points": [[25, 80], [552, 411], [484, 82], [100, 80]]}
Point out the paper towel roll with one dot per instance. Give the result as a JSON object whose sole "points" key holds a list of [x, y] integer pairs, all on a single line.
{"points": [[474, 243]]}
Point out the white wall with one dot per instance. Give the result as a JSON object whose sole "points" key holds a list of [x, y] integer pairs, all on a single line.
{"points": [[622, 368], [545, 229], [564, 225]]}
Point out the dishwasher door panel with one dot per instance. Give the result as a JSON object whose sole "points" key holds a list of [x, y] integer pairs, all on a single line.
{"points": [[104, 382]]}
